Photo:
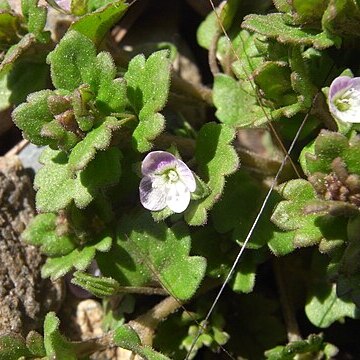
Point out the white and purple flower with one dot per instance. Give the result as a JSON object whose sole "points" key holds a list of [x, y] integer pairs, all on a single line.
{"points": [[167, 182], [344, 99]]}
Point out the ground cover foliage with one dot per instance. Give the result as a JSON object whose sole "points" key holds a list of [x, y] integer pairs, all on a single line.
{"points": [[99, 111]]}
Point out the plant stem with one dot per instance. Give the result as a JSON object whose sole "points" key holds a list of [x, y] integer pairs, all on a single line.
{"points": [[293, 332]]}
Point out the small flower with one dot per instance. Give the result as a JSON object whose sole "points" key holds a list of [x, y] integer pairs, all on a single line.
{"points": [[344, 99], [167, 182]]}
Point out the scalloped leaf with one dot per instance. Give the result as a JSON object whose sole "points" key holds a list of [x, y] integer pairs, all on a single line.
{"points": [[236, 106], [308, 229], [273, 26], [73, 61], [96, 140], [56, 345], [216, 159], [110, 94], [42, 231], [31, 117], [318, 156], [96, 24], [146, 251], [148, 84], [58, 187], [79, 259]]}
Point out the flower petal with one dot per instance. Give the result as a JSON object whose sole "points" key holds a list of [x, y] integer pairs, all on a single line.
{"points": [[186, 175], [339, 85], [157, 161], [178, 197], [153, 192]]}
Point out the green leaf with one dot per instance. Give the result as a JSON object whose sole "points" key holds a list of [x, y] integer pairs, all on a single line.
{"points": [[273, 26], [12, 347], [56, 345], [36, 19], [43, 231], [146, 251], [15, 52], [96, 24], [98, 286], [216, 159], [235, 106], [323, 307], [342, 18], [79, 259], [312, 347], [308, 228], [26, 77], [111, 94], [318, 156], [31, 116], [35, 344], [9, 27], [237, 210], [58, 186], [308, 11], [96, 140], [147, 88], [273, 78], [73, 61], [127, 338]]}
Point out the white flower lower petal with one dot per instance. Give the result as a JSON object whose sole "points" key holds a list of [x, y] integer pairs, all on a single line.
{"points": [[178, 197], [186, 175], [153, 191]]}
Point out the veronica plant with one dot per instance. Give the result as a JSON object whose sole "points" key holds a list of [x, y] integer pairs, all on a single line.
{"points": [[159, 180]]}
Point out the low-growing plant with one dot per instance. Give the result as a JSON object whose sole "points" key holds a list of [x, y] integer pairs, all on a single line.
{"points": [[165, 204]]}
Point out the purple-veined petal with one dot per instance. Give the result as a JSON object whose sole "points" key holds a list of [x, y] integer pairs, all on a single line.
{"points": [[186, 175], [345, 90], [157, 161], [339, 85], [178, 197], [153, 190]]}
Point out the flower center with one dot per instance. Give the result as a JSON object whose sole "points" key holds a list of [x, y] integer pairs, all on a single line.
{"points": [[347, 100], [172, 176]]}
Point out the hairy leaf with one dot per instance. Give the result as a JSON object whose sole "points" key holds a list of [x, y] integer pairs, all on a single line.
{"points": [[96, 24], [96, 140], [148, 84], [58, 186], [216, 159], [235, 106], [79, 259], [42, 231], [273, 26], [146, 251], [56, 345], [31, 116], [308, 228]]}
